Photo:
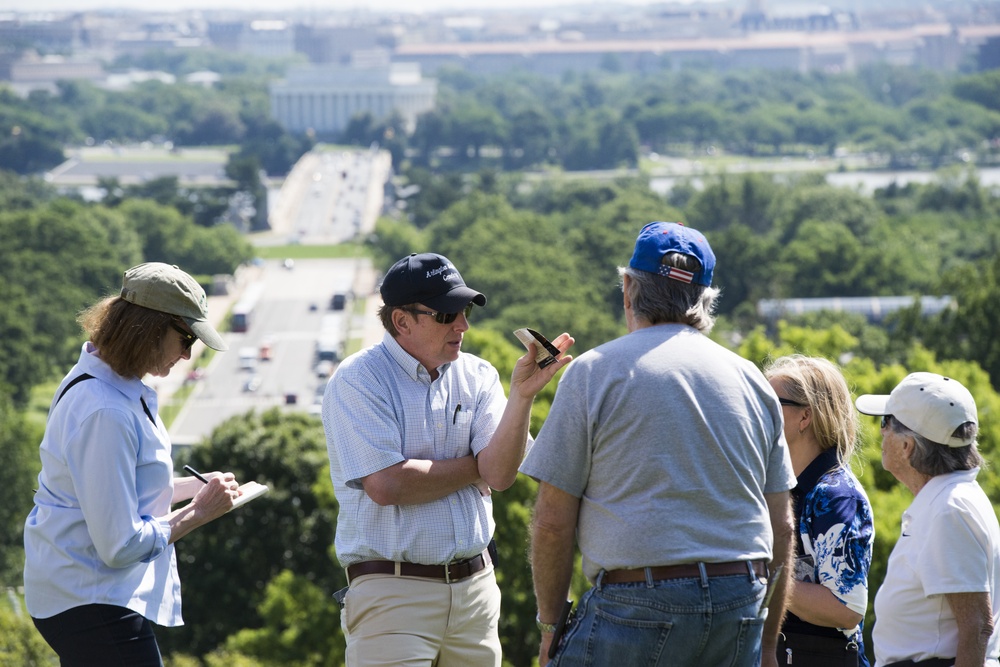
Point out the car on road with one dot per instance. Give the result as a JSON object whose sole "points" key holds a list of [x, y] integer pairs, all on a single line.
{"points": [[339, 301], [329, 348], [248, 358], [252, 383]]}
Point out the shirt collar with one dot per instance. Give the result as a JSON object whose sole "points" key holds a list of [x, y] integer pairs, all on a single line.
{"points": [[822, 464], [939, 484], [91, 362], [407, 362]]}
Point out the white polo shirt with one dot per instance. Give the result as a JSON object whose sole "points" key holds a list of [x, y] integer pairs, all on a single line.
{"points": [[950, 543]]}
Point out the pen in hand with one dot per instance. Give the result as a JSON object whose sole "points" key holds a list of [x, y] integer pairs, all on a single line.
{"points": [[195, 473]]}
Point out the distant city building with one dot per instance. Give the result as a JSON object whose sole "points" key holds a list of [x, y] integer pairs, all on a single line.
{"points": [[935, 46], [335, 44], [809, 18], [41, 73], [124, 80], [763, 34], [266, 38], [139, 43], [873, 308], [225, 35], [989, 54], [323, 99], [53, 35]]}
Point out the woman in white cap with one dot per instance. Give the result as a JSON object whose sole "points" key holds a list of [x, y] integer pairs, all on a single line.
{"points": [[100, 564], [938, 605]]}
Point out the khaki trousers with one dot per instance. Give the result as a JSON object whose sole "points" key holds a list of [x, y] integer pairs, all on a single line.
{"points": [[417, 622]]}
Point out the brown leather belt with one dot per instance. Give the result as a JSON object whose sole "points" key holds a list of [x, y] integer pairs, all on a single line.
{"points": [[687, 571], [456, 571]]}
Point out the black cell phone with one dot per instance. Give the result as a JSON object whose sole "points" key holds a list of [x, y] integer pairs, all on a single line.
{"points": [[547, 352], [560, 628]]}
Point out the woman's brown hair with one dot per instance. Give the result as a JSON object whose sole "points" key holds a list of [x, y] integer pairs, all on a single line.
{"points": [[129, 337]]}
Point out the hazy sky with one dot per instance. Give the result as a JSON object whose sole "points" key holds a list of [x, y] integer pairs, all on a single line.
{"points": [[286, 5], [318, 5]]}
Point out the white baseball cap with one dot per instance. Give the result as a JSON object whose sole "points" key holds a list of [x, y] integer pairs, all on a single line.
{"points": [[926, 403]]}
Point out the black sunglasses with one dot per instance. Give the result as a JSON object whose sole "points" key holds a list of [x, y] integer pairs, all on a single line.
{"points": [[885, 420], [791, 403], [187, 338], [441, 318]]}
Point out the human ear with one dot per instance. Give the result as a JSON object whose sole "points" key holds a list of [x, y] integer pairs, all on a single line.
{"points": [[805, 420], [401, 320]]}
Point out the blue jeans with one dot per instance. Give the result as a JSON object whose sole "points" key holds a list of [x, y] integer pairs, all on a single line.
{"points": [[701, 622]]}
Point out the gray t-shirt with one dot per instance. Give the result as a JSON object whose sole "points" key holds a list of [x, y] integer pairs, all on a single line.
{"points": [[670, 441]]}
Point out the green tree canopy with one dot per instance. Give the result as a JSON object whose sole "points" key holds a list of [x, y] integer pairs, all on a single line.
{"points": [[55, 260], [226, 566]]}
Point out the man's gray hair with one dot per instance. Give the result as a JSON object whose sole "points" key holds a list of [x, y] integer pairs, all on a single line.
{"points": [[662, 300], [933, 458]]}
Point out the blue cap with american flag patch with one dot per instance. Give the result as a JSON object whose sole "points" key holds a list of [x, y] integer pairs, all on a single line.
{"points": [[658, 239]]}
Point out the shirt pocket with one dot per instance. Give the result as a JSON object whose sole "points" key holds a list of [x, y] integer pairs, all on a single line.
{"points": [[462, 418], [460, 430]]}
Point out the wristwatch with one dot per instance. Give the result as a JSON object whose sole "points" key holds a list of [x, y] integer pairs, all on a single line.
{"points": [[544, 627]]}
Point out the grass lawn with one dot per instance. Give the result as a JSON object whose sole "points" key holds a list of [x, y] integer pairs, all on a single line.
{"points": [[307, 251]]}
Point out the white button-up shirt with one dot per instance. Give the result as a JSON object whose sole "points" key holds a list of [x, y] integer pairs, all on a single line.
{"points": [[93, 536], [381, 408]]}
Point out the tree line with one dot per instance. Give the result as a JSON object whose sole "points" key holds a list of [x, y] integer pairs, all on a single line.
{"points": [[903, 117]]}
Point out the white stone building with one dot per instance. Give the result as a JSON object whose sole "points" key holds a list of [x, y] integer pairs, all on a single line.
{"points": [[324, 98]]}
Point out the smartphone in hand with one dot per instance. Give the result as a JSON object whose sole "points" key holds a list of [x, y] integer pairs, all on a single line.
{"points": [[547, 352]]}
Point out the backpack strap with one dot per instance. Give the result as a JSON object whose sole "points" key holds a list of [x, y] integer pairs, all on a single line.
{"points": [[146, 409], [69, 385], [87, 376]]}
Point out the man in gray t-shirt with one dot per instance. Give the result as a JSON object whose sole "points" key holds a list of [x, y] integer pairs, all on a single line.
{"points": [[663, 457]]}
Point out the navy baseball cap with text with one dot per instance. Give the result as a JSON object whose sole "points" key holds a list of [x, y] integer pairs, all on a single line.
{"points": [[429, 279]]}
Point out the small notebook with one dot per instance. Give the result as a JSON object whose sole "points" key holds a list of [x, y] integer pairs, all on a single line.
{"points": [[250, 491], [547, 352]]}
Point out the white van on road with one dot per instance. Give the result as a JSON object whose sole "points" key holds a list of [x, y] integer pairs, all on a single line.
{"points": [[248, 358]]}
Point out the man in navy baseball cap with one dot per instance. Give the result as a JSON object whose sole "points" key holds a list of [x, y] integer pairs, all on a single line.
{"points": [[429, 279], [419, 435]]}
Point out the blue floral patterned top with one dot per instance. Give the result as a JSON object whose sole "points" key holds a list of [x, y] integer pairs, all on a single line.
{"points": [[834, 546]]}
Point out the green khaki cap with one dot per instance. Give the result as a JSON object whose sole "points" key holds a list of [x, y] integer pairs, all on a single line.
{"points": [[166, 288]]}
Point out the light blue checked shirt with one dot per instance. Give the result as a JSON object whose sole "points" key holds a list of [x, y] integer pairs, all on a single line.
{"points": [[382, 408]]}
